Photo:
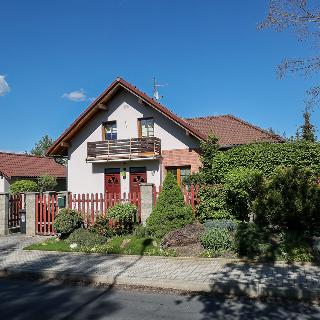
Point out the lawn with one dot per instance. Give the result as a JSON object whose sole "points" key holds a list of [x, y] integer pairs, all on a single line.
{"points": [[117, 245]]}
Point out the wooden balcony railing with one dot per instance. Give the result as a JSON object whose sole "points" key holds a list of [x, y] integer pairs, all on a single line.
{"points": [[124, 149]]}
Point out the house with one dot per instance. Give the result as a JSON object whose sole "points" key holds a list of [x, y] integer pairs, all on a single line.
{"points": [[15, 166], [125, 137]]}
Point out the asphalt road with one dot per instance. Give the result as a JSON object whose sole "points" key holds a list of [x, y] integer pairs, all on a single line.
{"points": [[38, 300]]}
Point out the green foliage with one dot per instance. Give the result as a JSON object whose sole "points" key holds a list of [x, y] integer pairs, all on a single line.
{"points": [[141, 231], [212, 204], [307, 130], [66, 221], [122, 215], [41, 147], [84, 238], [46, 183], [241, 188], [265, 157], [290, 202], [101, 226], [170, 211], [209, 149], [218, 239], [122, 211], [230, 225], [23, 186], [249, 240]]}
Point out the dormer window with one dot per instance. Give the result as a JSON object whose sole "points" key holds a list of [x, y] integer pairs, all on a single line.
{"points": [[110, 130], [146, 127]]}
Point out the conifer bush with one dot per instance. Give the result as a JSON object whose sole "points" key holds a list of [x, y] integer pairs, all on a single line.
{"points": [[170, 212]]}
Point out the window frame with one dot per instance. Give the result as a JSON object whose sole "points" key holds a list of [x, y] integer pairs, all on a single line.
{"points": [[140, 127], [178, 172], [105, 131]]}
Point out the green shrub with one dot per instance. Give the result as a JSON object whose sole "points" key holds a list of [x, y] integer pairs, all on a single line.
{"points": [[84, 238], [122, 215], [290, 202], [23, 186], [218, 239], [265, 157], [170, 211], [101, 226], [141, 231], [47, 183], [66, 221], [230, 225], [212, 204], [249, 240], [241, 188]]}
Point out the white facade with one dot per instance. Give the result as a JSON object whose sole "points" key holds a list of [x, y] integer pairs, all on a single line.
{"points": [[4, 184], [125, 109]]}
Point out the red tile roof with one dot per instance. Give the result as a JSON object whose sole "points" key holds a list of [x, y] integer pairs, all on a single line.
{"points": [[24, 165], [231, 130]]}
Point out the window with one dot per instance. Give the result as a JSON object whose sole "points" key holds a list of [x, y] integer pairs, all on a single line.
{"points": [[181, 173], [110, 130], [146, 127]]}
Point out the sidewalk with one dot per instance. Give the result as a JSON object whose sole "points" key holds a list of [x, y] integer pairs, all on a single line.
{"points": [[232, 277]]}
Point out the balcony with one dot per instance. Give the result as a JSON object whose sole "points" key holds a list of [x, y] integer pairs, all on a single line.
{"points": [[124, 149]]}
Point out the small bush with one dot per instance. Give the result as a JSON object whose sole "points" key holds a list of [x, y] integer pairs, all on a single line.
{"points": [[212, 204], [47, 183], [101, 226], [122, 215], [86, 239], [170, 212], [249, 240], [218, 240], [23, 186], [290, 202], [141, 231], [241, 187], [230, 225], [67, 221]]}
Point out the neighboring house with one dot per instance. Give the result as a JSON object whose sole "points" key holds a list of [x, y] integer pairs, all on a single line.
{"points": [[125, 137], [14, 166]]}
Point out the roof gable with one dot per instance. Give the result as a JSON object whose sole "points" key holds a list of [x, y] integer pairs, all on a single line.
{"points": [[24, 165], [61, 144]]}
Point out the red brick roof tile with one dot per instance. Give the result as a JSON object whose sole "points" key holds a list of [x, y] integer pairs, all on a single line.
{"points": [[231, 130], [24, 165]]}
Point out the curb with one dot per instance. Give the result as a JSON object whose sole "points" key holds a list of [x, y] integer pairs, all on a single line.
{"points": [[216, 287]]}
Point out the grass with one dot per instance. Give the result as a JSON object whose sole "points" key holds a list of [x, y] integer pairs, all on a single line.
{"points": [[130, 245]]}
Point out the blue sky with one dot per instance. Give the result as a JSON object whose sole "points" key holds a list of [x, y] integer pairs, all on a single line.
{"points": [[209, 52]]}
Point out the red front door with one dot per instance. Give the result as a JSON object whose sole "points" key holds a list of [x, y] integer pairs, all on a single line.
{"points": [[112, 181], [137, 176]]}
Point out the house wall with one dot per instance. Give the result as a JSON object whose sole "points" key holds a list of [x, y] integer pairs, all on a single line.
{"points": [[4, 184], [125, 109]]}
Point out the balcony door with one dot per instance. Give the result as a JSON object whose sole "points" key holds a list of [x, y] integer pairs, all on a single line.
{"points": [[112, 180], [137, 175]]}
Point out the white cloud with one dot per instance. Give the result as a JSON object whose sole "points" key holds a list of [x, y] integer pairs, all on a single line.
{"points": [[4, 86], [77, 95]]}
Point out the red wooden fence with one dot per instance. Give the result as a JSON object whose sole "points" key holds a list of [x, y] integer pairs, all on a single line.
{"points": [[46, 210], [15, 204], [93, 205]]}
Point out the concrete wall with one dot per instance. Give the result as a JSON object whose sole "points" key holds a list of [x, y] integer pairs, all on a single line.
{"points": [[125, 109]]}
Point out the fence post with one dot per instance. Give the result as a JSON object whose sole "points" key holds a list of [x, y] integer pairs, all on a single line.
{"points": [[31, 213], [146, 194], [4, 214]]}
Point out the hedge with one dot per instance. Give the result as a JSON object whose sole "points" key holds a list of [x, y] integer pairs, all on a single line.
{"points": [[266, 157]]}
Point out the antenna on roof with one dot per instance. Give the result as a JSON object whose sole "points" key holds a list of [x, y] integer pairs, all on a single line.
{"points": [[155, 89]]}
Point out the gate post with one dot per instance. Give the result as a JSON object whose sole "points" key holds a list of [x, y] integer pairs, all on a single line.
{"points": [[146, 193], [4, 214], [31, 213]]}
